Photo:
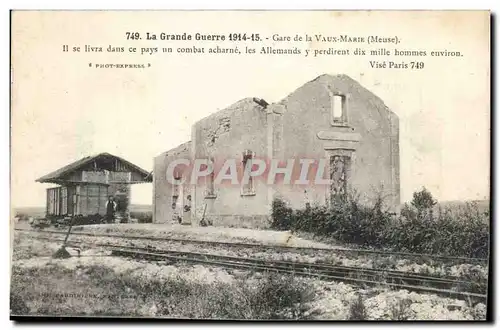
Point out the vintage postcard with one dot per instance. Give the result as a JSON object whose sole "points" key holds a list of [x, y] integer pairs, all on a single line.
{"points": [[250, 165]]}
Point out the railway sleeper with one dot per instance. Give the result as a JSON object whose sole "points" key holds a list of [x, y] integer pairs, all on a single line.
{"points": [[395, 283]]}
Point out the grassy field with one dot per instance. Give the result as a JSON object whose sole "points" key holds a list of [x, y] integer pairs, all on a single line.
{"points": [[483, 206], [29, 211], [100, 291], [97, 284], [36, 211]]}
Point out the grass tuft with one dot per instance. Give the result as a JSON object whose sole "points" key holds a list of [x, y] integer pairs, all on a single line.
{"points": [[357, 310], [270, 297]]}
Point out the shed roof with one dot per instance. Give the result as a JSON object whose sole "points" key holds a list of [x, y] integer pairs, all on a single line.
{"points": [[58, 175]]}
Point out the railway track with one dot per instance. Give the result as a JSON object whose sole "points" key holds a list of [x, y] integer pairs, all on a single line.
{"points": [[483, 261], [449, 286], [357, 276]]}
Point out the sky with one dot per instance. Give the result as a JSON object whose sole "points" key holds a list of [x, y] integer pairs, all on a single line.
{"points": [[63, 110]]}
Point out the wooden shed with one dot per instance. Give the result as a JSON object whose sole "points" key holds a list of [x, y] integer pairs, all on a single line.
{"points": [[85, 185]]}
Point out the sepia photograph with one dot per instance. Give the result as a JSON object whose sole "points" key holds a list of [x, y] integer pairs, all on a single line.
{"points": [[250, 165]]}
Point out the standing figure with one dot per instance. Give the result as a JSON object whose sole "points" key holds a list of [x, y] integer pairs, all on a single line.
{"points": [[110, 209], [176, 217], [186, 219]]}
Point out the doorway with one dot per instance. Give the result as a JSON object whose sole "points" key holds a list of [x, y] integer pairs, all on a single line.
{"points": [[340, 165]]}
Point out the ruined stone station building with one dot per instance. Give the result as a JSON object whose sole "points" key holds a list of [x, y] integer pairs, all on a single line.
{"points": [[85, 185], [330, 117]]}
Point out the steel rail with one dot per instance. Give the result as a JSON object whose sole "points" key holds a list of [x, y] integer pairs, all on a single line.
{"points": [[315, 269], [324, 266], [263, 246], [321, 275]]}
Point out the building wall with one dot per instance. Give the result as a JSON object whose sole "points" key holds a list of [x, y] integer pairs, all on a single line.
{"points": [[95, 176], [118, 185], [225, 135], [300, 126], [91, 199], [371, 133], [163, 191]]}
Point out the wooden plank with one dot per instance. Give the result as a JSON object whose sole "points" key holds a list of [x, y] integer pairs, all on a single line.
{"points": [[77, 201], [47, 201], [56, 201]]}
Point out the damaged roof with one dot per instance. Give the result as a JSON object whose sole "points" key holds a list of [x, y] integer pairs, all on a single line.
{"points": [[59, 175]]}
